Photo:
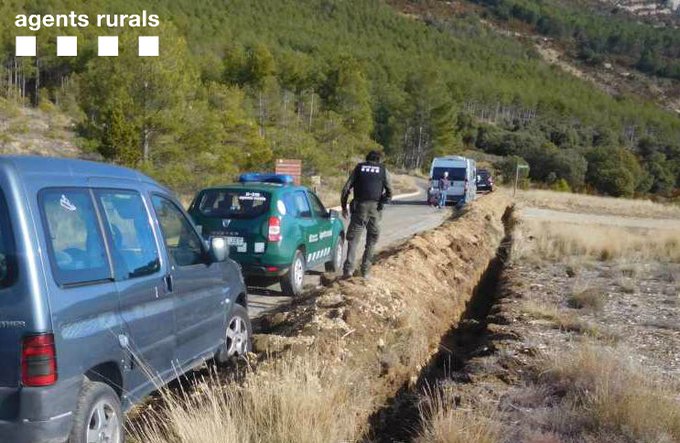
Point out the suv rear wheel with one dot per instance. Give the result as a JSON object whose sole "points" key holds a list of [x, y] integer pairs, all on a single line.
{"points": [[98, 416], [293, 281], [335, 265]]}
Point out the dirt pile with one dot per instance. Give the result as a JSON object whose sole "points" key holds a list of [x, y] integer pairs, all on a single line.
{"points": [[385, 329]]}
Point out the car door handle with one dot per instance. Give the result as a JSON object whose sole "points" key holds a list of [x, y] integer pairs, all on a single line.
{"points": [[169, 283]]}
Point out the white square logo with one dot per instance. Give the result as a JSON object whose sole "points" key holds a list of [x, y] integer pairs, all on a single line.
{"points": [[25, 46], [67, 46], [108, 46], [148, 46]]}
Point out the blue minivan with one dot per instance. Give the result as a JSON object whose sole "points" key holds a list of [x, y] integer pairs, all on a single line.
{"points": [[107, 291]]}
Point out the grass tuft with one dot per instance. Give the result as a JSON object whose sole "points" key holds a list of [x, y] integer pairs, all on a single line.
{"points": [[294, 400], [591, 298], [445, 422], [613, 396]]}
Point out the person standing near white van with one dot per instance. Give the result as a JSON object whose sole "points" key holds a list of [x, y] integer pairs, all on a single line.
{"points": [[461, 173], [444, 184]]}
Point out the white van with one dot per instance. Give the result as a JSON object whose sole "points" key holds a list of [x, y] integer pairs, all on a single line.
{"points": [[462, 174]]}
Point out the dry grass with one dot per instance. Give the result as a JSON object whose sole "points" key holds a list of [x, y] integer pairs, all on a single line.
{"points": [[564, 321], [563, 201], [293, 400], [588, 298], [567, 321], [538, 240], [444, 422], [611, 397], [627, 285]]}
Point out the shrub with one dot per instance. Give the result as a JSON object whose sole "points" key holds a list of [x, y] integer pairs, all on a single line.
{"points": [[561, 185], [591, 298], [613, 171]]}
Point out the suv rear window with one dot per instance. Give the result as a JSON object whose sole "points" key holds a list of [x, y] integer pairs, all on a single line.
{"points": [[233, 203], [7, 255], [455, 174]]}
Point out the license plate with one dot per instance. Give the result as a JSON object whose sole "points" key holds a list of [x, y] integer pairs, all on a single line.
{"points": [[234, 241]]}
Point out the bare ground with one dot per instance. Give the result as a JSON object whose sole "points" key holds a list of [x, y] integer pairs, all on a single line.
{"points": [[572, 349]]}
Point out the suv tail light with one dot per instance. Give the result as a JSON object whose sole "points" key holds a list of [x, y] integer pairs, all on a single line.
{"points": [[38, 360], [274, 231]]}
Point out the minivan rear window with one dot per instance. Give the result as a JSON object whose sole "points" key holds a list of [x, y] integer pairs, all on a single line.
{"points": [[233, 203], [7, 254], [455, 174], [74, 236]]}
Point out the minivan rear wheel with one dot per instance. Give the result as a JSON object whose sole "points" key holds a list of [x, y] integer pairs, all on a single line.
{"points": [[98, 416], [293, 281]]}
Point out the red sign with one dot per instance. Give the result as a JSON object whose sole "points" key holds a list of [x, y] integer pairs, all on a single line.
{"points": [[290, 167]]}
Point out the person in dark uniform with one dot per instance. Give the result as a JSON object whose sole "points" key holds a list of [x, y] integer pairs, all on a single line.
{"points": [[372, 189]]}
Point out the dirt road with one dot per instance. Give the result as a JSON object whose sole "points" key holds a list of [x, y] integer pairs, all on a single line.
{"points": [[401, 220]]}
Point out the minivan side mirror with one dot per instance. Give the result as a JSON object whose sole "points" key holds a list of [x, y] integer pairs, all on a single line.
{"points": [[219, 250], [333, 214]]}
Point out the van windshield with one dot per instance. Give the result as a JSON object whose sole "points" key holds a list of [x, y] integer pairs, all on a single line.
{"points": [[233, 203], [7, 256], [455, 174]]}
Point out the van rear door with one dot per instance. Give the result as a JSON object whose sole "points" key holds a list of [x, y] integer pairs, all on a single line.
{"points": [[457, 177]]}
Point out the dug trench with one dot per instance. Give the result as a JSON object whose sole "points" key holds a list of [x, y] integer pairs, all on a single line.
{"points": [[370, 342], [396, 330], [400, 419]]}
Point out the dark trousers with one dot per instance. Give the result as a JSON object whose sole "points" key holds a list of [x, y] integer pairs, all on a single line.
{"points": [[365, 215]]}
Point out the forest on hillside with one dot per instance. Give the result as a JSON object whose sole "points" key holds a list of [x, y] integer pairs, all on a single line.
{"points": [[597, 35], [242, 82]]}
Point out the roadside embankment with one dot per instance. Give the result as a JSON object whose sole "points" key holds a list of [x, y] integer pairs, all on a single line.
{"points": [[333, 358]]}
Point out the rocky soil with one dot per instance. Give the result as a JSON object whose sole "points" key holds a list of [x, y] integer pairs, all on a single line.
{"points": [[492, 360]]}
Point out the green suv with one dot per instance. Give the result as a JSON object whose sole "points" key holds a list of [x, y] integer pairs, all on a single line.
{"points": [[274, 228]]}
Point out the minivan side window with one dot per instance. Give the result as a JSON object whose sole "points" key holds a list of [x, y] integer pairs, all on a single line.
{"points": [[182, 242], [74, 236], [132, 242], [7, 254]]}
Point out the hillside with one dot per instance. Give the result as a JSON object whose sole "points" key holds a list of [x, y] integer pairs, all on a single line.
{"points": [[36, 131], [240, 84]]}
